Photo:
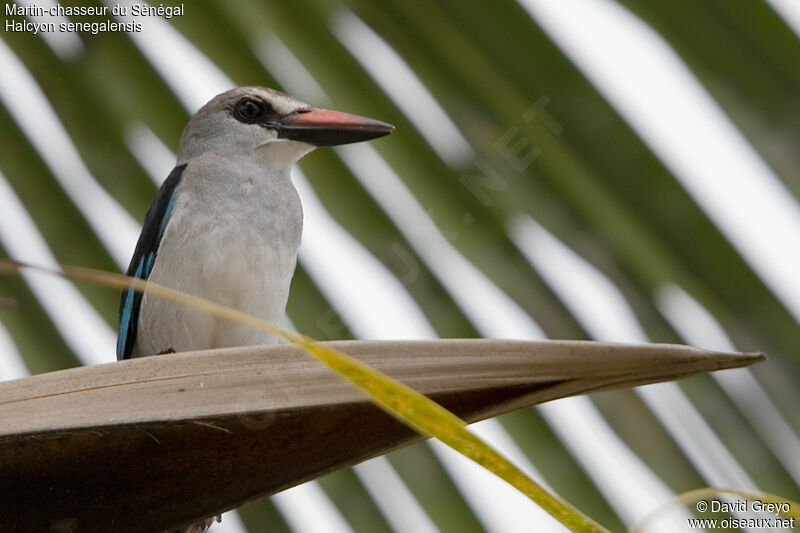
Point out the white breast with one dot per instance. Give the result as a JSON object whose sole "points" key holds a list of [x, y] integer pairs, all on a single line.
{"points": [[232, 240]]}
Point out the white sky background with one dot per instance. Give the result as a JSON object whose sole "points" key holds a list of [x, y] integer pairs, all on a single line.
{"points": [[408, 93], [11, 364], [32, 112], [699, 328], [789, 10], [66, 45], [656, 93], [634, 69], [81, 327]]}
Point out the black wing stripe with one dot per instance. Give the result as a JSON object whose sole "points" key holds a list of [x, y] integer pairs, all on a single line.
{"points": [[155, 221]]}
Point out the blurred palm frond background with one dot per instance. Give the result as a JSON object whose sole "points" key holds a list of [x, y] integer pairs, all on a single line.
{"points": [[584, 169]]}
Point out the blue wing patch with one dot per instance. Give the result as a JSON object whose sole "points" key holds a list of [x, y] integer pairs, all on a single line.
{"points": [[144, 257]]}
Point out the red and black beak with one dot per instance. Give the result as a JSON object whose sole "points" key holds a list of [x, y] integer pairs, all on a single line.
{"points": [[323, 127]]}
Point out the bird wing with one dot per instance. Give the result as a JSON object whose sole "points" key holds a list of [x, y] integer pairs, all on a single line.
{"points": [[155, 221]]}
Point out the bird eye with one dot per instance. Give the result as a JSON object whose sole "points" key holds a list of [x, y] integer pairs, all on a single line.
{"points": [[248, 110]]}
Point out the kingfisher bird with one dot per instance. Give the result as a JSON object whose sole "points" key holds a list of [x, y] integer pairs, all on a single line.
{"points": [[227, 222]]}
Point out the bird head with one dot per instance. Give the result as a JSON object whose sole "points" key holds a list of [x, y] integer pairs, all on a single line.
{"points": [[261, 121]]}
